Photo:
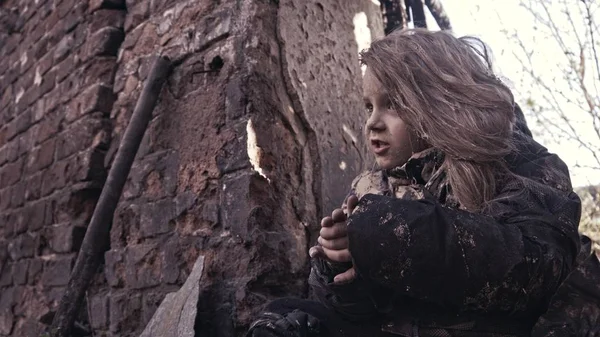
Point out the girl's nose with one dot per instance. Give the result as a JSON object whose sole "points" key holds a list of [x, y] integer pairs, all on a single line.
{"points": [[375, 124]]}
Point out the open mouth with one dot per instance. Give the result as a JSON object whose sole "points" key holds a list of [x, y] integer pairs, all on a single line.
{"points": [[379, 147]]}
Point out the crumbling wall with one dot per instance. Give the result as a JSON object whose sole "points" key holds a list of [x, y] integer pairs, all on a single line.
{"points": [[256, 135], [58, 60]]}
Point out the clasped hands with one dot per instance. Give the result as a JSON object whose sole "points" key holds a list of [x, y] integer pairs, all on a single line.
{"points": [[333, 240]]}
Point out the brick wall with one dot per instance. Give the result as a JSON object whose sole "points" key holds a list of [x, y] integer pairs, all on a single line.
{"points": [[255, 131]]}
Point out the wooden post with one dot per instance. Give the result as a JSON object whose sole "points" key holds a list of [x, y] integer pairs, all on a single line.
{"points": [[97, 236]]}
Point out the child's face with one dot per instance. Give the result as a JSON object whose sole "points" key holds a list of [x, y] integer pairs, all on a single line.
{"points": [[389, 137]]}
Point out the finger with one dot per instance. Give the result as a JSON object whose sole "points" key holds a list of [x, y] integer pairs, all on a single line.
{"points": [[346, 276], [327, 222], [317, 252], [334, 232], [337, 255], [336, 244], [351, 203], [338, 215]]}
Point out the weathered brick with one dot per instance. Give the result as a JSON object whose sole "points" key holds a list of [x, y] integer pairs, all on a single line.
{"points": [[7, 320], [99, 312], [156, 218], [54, 177], [64, 238], [26, 140], [97, 98], [33, 186], [57, 271], [69, 87], [26, 60], [101, 71], [123, 307], [63, 48], [42, 46], [4, 198], [12, 150], [45, 63], [17, 222], [17, 194], [21, 123], [11, 173], [37, 216], [63, 8], [104, 42], [7, 97], [49, 126], [74, 16], [21, 247], [41, 156], [20, 272], [38, 110], [81, 135], [25, 80], [107, 18], [50, 23], [137, 12], [65, 68], [142, 268], [34, 271], [6, 279], [114, 261], [46, 85]]}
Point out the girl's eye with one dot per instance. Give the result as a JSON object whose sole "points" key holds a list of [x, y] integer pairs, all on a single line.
{"points": [[369, 107]]}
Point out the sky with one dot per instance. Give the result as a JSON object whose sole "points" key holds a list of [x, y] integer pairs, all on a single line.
{"points": [[497, 23]]}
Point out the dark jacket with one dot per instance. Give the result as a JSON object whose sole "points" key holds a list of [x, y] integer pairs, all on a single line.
{"points": [[429, 265]]}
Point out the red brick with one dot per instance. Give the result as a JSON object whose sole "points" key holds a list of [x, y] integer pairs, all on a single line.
{"points": [[107, 18], [26, 140], [45, 63], [17, 222], [37, 215], [50, 24], [54, 178], [11, 173], [41, 156], [41, 47], [63, 8], [74, 16], [57, 271], [33, 186], [98, 98], [70, 86], [63, 48], [4, 198], [49, 126], [12, 149], [64, 238], [104, 42], [65, 68], [17, 194], [34, 271], [101, 71]]}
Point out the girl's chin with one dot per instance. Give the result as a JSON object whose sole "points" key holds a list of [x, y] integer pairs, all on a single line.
{"points": [[386, 164]]}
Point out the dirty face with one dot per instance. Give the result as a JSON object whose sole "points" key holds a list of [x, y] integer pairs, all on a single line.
{"points": [[390, 139]]}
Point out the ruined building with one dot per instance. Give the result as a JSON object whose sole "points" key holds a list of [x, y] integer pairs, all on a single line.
{"points": [[256, 135]]}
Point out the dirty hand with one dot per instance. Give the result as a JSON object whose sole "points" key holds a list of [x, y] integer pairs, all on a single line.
{"points": [[333, 240]]}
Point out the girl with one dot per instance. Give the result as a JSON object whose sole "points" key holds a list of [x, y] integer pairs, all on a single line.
{"points": [[467, 228]]}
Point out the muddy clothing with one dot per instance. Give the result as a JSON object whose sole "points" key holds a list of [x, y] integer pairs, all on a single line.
{"points": [[494, 271], [575, 309], [427, 268]]}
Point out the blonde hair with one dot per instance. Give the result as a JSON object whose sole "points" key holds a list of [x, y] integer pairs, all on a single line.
{"points": [[443, 88]]}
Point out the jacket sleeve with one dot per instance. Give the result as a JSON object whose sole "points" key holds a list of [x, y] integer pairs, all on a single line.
{"points": [[512, 258]]}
